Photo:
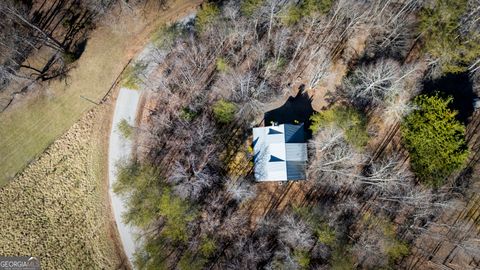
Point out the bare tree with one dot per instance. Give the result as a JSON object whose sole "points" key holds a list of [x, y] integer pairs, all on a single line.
{"points": [[391, 30], [372, 84], [388, 175], [335, 161], [283, 259], [371, 247], [240, 190], [295, 233], [245, 91], [320, 69], [193, 176]]}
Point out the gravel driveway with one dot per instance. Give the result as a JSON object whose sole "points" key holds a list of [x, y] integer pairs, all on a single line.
{"points": [[119, 149]]}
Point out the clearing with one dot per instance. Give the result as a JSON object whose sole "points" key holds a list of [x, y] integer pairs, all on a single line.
{"points": [[32, 124]]}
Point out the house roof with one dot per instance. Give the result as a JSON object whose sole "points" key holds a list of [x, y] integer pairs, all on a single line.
{"points": [[280, 152]]}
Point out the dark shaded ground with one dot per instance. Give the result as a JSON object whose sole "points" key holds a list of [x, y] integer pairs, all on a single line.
{"points": [[298, 108], [458, 86]]}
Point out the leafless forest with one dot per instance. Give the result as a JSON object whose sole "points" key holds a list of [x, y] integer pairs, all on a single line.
{"points": [[41, 40], [361, 206]]}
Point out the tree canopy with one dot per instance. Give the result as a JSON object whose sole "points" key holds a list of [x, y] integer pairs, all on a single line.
{"points": [[444, 40], [224, 111], [434, 139], [306, 8], [349, 120], [206, 15]]}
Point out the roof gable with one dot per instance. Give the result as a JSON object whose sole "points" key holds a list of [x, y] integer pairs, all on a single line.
{"points": [[280, 152], [294, 133]]}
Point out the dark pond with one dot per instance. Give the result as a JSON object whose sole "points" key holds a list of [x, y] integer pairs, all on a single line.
{"points": [[459, 87]]}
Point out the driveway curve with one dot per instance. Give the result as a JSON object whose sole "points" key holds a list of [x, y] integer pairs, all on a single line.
{"points": [[120, 148]]}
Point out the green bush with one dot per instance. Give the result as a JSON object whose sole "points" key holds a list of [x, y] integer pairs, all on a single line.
{"points": [[165, 36], [207, 246], [148, 198], [248, 7], [140, 187], [152, 255], [292, 15], [434, 139], [191, 262], [394, 248], [224, 111], [342, 258], [125, 129], [326, 235], [302, 257], [222, 65], [352, 122], [131, 75], [206, 15], [177, 213], [440, 27], [188, 115], [276, 65], [194, 261], [397, 250], [306, 8]]}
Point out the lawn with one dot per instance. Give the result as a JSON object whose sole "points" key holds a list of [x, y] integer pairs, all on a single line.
{"points": [[32, 125]]}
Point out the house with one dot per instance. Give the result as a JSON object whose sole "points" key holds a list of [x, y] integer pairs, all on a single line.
{"points": [[280, 152]]}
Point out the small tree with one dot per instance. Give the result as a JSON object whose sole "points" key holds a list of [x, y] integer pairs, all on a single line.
{"points": [[206, 15], [434, 139], [222, 65], [444, 41], [125, 129], [177, 213], [306, 8], [224, 111], [131, 77], [140, 187], [164, 37], [349, 120], [250, 6]]}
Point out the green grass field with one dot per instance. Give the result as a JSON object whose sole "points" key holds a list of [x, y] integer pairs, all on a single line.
{"points": [[28, 128]]}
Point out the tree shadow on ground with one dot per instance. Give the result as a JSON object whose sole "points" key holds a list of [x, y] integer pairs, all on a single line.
{"points": [[459, 87]]}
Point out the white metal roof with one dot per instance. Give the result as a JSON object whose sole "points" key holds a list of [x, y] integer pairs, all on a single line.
{"points": [[278, 153]]}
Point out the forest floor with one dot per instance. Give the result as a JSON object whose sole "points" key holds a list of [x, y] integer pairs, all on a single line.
{"points": [[57, 209], [34, 121], [276, 195], [338, 69]]}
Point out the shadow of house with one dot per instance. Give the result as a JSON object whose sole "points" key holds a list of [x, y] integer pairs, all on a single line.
{"points": [[295, 110]]}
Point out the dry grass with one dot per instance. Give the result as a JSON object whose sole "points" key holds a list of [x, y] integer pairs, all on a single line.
{"points": [[31, 125], [57, 208]]}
